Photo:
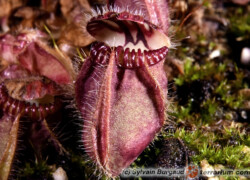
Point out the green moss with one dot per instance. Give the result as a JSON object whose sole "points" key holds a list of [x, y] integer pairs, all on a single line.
{"points": [[235, 132], [231, 156], [209, 111], [223, 97], [219, 143], [182, 112], [234, 101], [211, 45], [240, 24], [208, 146], [194, 71], [85, 168], [36, 170]]}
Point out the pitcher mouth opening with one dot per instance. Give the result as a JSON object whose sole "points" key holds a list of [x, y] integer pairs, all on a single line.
{"points": [[35, 108], [135, 40]]}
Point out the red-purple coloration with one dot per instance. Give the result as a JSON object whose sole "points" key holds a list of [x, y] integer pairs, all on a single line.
{"points": [[100, 53], [14, 107], [31, 71], [27, 51], [127, 58], [116, 29], [154, 11], [121, 90], [31, 77], [136, 59], [122, 109]]}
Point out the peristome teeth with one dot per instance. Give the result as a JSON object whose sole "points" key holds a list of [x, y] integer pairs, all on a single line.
{"points": [[119, 56], [148, 57], [126, 58], [133, 59], [155, 58], [100, 53], [140, 58]]}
